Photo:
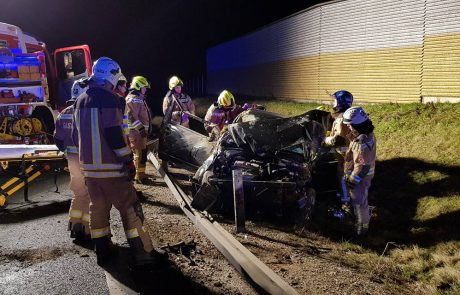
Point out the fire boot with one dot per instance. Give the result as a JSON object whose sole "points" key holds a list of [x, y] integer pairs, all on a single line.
{"points": [[105, 250], [140, 256], [140, 196], [77, 232]]}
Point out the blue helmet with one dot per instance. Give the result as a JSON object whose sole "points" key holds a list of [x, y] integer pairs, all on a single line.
{"points": [[343, 100]]}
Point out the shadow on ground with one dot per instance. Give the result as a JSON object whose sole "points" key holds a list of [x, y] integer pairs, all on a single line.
{"points": [[163, 277], [33, 210], [397, 189]]}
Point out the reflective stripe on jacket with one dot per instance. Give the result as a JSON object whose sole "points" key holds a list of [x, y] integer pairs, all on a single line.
{"points": [[217, 116], [185, 102], [137, 112], [63, 131], [102, 146], [360, 157]]}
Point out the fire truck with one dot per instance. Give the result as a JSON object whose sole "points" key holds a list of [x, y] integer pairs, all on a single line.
{"points": [[33, 88]]}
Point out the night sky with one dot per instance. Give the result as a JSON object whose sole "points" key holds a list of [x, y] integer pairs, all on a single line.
{"points": [[152, 38]]}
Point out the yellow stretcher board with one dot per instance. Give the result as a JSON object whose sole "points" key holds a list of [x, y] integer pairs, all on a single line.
{"points": [[33, 159]]}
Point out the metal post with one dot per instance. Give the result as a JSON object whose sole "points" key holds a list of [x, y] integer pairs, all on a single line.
{"points": [[238, 200]]}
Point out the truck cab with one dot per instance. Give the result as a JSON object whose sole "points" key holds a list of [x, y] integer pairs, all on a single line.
{"points": [[33, 86]]}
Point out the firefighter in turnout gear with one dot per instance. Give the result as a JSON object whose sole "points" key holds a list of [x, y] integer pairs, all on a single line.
{"points": [[359, 165], [339, 137], [79, 207], [139, 119], [106, 162], [177, 104], [222, 113]]}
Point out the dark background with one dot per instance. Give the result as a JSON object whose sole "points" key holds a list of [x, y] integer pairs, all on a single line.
{"points": [[152, 38]]}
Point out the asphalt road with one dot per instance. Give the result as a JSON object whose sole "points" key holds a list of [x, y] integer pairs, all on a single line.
{"points": [[37, 255]]}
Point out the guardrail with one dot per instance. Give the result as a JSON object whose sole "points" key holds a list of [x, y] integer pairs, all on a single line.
{"points": [[246, 263]]}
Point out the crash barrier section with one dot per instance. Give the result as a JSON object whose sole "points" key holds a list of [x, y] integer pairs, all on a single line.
{"points": [[239, 256]]}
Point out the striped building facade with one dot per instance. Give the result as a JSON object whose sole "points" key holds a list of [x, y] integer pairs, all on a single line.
{"points": [[380, 50]]}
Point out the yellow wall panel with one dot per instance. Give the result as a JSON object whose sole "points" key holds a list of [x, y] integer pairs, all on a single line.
{"points": [[441, 66], [373, 76]]}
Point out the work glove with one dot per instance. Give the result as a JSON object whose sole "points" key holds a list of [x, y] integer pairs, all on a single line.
{"points": [[335, 141], [176, 115], [185, 117], [247, 106], [350, 181], [131, 169], [214, 134], [339, 141]]}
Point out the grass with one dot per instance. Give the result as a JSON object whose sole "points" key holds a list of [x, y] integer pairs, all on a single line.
{"points": [[416, 191]]}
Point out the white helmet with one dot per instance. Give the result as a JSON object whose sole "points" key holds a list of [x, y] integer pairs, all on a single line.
{"points": [[355, 116], [106, 69], [78, 87]]}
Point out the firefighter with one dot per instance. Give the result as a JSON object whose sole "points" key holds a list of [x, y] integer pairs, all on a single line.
{"points": [[339, 136], [107, 164], [139, 121], [79, 207], [121, 90], [177, 104], [222, 113], [360, 165]]}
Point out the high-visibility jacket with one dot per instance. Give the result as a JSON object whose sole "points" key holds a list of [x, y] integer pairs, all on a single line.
{"points": [[63, 131], [171, 100], [218, 116], [360, 157], [138, 113], [339, 129], [101, 144], [138, 118]]}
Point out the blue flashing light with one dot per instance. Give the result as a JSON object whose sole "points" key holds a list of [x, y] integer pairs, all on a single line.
{"points": [[16, 51]]}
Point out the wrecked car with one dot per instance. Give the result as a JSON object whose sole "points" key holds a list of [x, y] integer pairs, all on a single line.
{"points": [[275, 155]]}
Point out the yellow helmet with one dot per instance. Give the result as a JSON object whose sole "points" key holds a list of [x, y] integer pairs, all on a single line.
{"points": [[226, 99], [175, 81], [138, 82]]}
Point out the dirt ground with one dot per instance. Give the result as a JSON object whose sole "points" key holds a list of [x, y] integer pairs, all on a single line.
{"points": [[307, 261], [168, 224]]}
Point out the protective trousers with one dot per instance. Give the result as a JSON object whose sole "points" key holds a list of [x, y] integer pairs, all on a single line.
{"points": [[119, 192], [140, 161], [342, 191], [79, 207], [359, 202]]}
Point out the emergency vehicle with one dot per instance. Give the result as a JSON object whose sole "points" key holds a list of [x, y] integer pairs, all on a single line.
{"points": [[33, 88]]}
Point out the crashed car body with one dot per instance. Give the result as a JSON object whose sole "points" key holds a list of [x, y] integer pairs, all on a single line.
{"points": [[276, 156]]}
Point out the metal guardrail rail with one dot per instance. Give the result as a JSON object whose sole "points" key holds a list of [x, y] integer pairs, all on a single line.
{"points": [[239, 256]]}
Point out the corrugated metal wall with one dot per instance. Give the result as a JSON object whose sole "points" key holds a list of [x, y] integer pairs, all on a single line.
{"points": [[372, 48], [267, 63], [380, 50], [441, 56]]}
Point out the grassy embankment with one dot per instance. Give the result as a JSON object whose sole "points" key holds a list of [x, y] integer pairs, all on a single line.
{"points": [[416, 190]]}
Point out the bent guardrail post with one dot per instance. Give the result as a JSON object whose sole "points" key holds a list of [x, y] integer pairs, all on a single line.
{"points": [[246, 263], [238, 200]]}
